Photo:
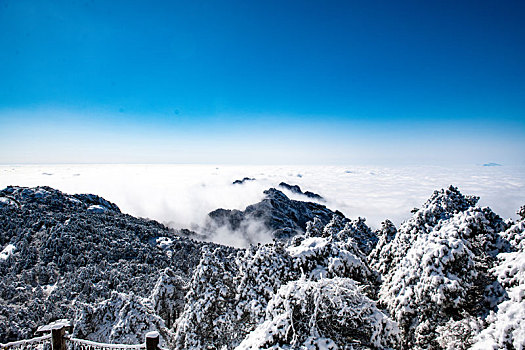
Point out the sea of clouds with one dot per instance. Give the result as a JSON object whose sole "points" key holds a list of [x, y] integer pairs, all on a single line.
{"points": [[181, 196]]}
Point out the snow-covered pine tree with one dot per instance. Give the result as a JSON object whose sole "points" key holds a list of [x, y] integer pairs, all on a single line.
{"points": [[123, 319], [261, 271], [506, 326], [323, 314], [228, 299], [335, 254], [385, 235], [167, 297], [208, 319], [445, 276], [440, 206]]}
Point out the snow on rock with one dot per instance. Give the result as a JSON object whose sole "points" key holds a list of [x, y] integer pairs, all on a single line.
{"points": [[326, 312], [7, 251], [8, 202], [164, 242], [50, 288], [94, 200], [97, 209]]}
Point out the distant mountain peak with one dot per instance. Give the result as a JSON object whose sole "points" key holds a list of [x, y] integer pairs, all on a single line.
{"points": [[280, 215], [297, 190], [240, 182]]}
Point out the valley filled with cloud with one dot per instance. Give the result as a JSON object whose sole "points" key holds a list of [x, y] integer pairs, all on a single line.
{"points": [[181, 196]]}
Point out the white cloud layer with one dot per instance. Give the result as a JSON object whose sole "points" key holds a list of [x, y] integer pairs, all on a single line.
{"points": [[183, 195]]}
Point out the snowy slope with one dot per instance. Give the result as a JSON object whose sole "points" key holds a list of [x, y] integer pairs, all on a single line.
{"points": [[450, 277]]}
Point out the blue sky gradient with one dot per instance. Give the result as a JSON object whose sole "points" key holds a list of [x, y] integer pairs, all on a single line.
{"points": [[262, 82]]}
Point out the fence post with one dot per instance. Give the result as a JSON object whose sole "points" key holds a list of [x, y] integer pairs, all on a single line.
{"points": [[152, 340], [57, 334]]}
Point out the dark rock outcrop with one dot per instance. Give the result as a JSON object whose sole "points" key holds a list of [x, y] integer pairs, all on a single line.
{"points": [[279, 214], [297, 190], [240, 182]]}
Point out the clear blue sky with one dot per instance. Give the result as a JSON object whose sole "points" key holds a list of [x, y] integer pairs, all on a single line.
{"points": [[262, 81]]}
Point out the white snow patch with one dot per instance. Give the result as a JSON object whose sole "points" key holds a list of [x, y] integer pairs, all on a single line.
{"points": [[152, 334], [7, 251], [41, 193], [308, 247], [74, 200], [97, 209], [5, 201], [48, 289], [164, 242]]}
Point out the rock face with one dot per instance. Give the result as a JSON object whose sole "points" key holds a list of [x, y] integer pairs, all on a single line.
{"points": [[279, 214], [72, 250], [296, 189]]}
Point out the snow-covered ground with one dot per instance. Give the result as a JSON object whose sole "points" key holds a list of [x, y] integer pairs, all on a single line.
{"points": [[182, 195]]}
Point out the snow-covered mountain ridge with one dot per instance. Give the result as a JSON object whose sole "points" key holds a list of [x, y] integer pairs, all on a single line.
{"points": [[449, 277], [280, 215]]}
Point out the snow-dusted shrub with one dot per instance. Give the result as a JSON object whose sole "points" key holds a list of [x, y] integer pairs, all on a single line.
{"points": [[122, 319], [506, 327], [458, 335], [65, 253], [515, 235], [319, 257], [262, 270], [322, 314], [336, 224], [315, 228], [342, 229], [521, 212], [444, 276], [385, 235], [362, 235], [167, 297]]}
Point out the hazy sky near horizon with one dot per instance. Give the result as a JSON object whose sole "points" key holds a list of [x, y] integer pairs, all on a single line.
{"points": [[268, 82]]}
